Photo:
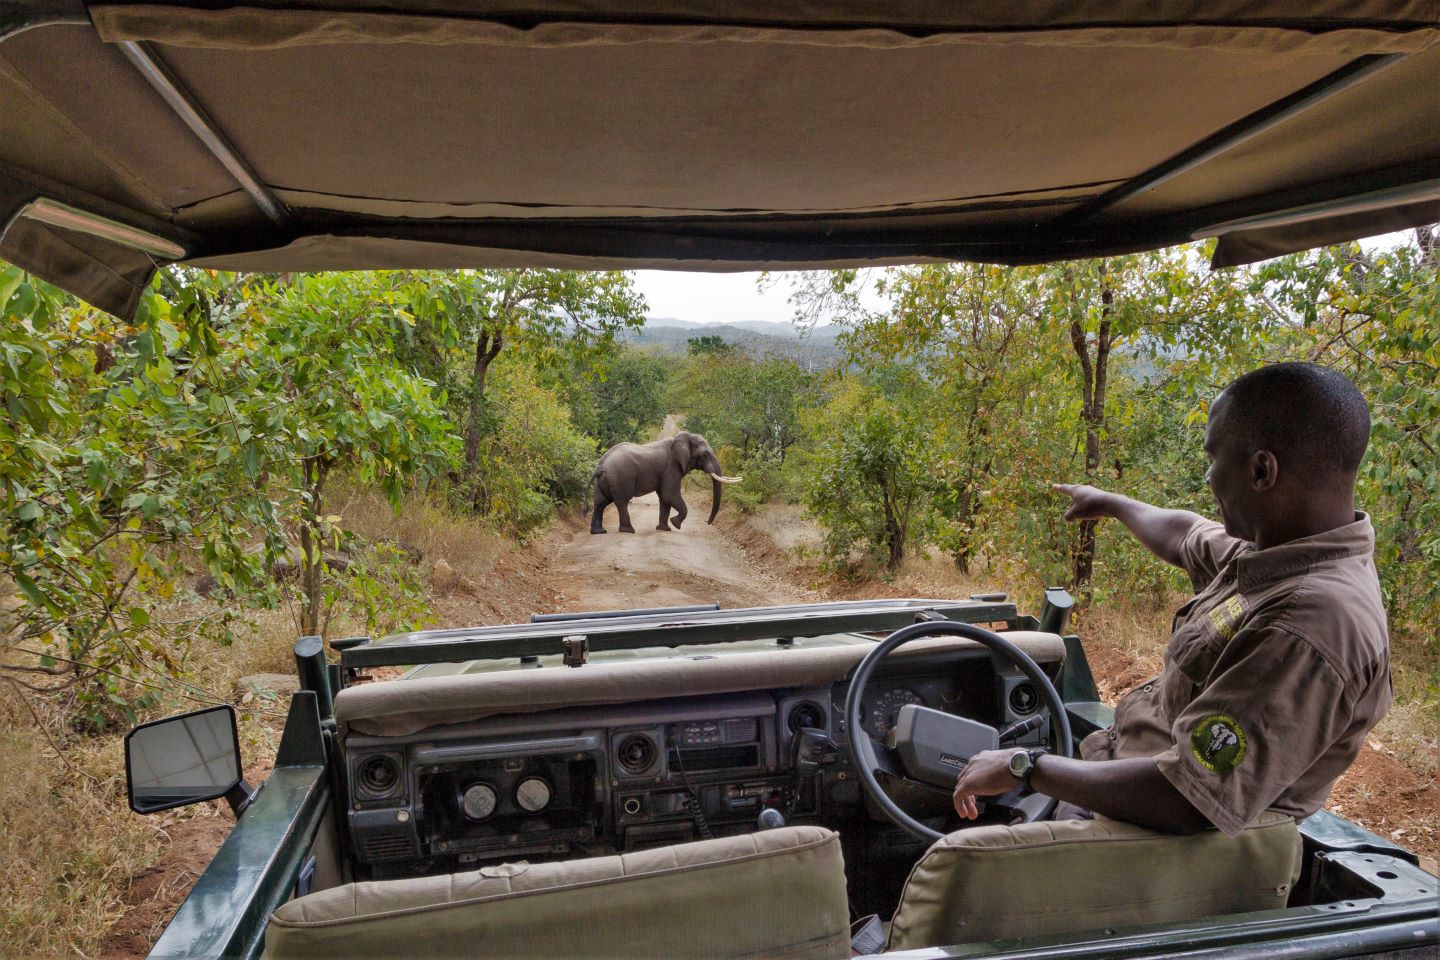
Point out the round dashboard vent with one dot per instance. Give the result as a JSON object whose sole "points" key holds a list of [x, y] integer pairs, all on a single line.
{"points": [[1024, 699], [636, 753], [805, 714], [379, 775]]}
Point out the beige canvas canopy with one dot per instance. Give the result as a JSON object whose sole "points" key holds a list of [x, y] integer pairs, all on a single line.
{"points": [[738, 135]]}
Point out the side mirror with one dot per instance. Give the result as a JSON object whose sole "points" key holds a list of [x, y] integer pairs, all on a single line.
{"points": [[186, 759]]}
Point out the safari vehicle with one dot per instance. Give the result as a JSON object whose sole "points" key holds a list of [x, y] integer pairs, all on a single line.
{"points": [[705, 782]]}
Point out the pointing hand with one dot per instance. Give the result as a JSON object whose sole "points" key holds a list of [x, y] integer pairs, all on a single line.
{"points": [[1086, 503]]}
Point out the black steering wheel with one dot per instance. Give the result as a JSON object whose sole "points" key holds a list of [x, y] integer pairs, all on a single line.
{"points": [[871, 756]]}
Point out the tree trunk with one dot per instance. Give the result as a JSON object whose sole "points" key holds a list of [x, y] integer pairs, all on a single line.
{"points": [[312, 553], [487, 347], [1094, 374]]}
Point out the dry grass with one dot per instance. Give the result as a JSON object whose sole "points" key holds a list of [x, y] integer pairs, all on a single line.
{"points": [[66, 838], [424, 527]]}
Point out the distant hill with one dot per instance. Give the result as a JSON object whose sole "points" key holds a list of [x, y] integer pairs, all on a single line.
{"points": [[815, 349]]}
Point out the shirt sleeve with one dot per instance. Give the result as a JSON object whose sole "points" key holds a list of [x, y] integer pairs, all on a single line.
{"points": [[1273, 710], [1204, 551]]}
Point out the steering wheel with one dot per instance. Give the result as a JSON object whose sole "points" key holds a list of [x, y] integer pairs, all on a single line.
{"points": [[871, 756]]}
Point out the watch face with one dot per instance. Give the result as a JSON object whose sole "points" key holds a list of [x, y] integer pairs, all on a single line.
{"points": [[1020, 763]]}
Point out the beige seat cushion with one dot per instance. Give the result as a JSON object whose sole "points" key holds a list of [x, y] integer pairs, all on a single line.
{"points": [[1065, 876], [776, 893]]}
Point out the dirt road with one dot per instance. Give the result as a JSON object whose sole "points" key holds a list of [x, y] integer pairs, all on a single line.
{"points": [[655, 568]]}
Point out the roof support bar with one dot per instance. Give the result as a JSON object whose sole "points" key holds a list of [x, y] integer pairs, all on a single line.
{"points": [[16, 17], [200, 123], [1355, 72], [1422, 192]]}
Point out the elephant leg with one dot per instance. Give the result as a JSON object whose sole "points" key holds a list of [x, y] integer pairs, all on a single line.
{"points": [[623, 508], [597, 520], [680, 512], [664, 523]]}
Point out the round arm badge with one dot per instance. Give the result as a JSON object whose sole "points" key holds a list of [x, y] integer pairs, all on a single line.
{"points": [[1218, 743]]}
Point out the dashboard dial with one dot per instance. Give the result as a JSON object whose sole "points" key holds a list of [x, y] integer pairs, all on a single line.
{"points": [[533, 795], [884, 710], [479, 801]]}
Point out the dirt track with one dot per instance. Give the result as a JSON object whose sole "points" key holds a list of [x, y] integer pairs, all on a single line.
{"points": [[654, 568]]}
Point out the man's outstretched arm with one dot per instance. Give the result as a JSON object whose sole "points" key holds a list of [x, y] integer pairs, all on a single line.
{"points": [[1159, 529], [1133, 790]]}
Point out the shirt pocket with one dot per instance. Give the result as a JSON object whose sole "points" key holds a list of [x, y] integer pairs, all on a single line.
{"points": [[1190, 658]]}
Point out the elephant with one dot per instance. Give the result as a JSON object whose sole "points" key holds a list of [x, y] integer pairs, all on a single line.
{"points": [[629, 470]]}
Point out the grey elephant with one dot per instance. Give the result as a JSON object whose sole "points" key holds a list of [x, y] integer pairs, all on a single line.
{"points": [[630, 470]]}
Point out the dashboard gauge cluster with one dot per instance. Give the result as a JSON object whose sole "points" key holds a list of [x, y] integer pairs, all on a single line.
{"points": [[881, 711]]}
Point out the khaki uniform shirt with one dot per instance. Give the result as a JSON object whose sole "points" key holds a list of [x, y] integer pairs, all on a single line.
{"points": [[1275, 671]]}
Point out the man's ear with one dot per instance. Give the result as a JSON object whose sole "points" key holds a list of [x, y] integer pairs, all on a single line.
{"points": [[1264, 470]]}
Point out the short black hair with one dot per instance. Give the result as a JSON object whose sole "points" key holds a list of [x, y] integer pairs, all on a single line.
{"points": [[1311, 417]]}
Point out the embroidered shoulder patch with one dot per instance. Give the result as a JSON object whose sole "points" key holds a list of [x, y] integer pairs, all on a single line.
{"points": [[1226, 615], [1218, 743]]}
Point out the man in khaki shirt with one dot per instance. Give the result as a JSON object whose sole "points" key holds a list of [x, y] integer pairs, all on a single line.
{"points": [[1279, 665]]}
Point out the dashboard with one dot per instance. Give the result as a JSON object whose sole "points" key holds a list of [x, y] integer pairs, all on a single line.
{"points": [[578, 781]]}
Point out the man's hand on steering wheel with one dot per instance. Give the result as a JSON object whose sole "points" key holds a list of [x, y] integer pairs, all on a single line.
{"points": [[986, 775]]}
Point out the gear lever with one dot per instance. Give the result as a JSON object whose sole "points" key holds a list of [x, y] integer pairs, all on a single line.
{"points": [[769, 819]]}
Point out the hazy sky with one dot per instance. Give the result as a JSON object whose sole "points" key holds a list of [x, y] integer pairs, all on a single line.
{"points": [[712, 297], [728, 297]]}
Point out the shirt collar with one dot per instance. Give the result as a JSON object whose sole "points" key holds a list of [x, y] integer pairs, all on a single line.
{"points": [[1259, 567]]}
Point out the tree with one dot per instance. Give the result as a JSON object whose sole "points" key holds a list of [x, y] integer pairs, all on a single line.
{"points": [[1147, 304], [972, 333], [550, 311], [121, 456], [871, 484], [617, 398], [336, 397]]}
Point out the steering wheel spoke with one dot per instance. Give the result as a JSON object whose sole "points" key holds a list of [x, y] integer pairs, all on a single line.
{"points": [[881, 759]]}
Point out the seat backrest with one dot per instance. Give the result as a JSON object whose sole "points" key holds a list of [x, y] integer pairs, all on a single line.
{"points": [[1064, 876], [773, 893]]}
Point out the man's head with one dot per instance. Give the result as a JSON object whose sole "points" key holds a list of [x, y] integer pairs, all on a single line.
{"points": [[1284, 443]]}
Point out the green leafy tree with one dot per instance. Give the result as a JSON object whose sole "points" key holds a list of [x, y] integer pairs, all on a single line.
{"points": [[335, 397], [118, 461], [619, 397], [532, 456], [871, 482], [973, 334], [548, 312]]}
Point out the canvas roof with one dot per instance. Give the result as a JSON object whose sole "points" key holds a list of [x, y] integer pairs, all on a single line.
{"points": [[350, 134]]}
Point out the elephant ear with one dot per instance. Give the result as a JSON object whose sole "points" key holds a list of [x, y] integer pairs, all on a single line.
{"points": [[680, 452]]}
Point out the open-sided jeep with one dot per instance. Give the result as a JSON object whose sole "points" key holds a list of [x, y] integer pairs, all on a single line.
{"points": [[728, 783], [738, 783]]}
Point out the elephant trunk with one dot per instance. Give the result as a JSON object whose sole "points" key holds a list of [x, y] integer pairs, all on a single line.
{"points": [[715, 481], [714, 497]]}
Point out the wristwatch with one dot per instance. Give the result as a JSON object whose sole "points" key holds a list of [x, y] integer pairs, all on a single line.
{"points": [[1022, 764]]}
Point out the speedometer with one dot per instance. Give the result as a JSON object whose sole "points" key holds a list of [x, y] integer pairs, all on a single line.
{"points": [[883, 711]]}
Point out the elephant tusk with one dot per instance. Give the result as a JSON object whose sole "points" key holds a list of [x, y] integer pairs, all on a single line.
{"points": [[719, 479]]}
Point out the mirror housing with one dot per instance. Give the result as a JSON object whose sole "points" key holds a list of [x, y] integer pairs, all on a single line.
{"points": [[186, 759]]}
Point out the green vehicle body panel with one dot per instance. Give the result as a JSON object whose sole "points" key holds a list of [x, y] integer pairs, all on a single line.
{"points": [[1380, 903]]}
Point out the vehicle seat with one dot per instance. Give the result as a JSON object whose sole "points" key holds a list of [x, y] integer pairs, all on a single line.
{"points": [[1065, 876], [776, 893]]}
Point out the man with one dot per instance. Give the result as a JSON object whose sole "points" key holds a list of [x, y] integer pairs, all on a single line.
{"points": [[1279, 665]]}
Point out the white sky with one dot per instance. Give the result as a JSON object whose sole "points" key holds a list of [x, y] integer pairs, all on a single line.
{"points": [[712, 297], [732, 297]]}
